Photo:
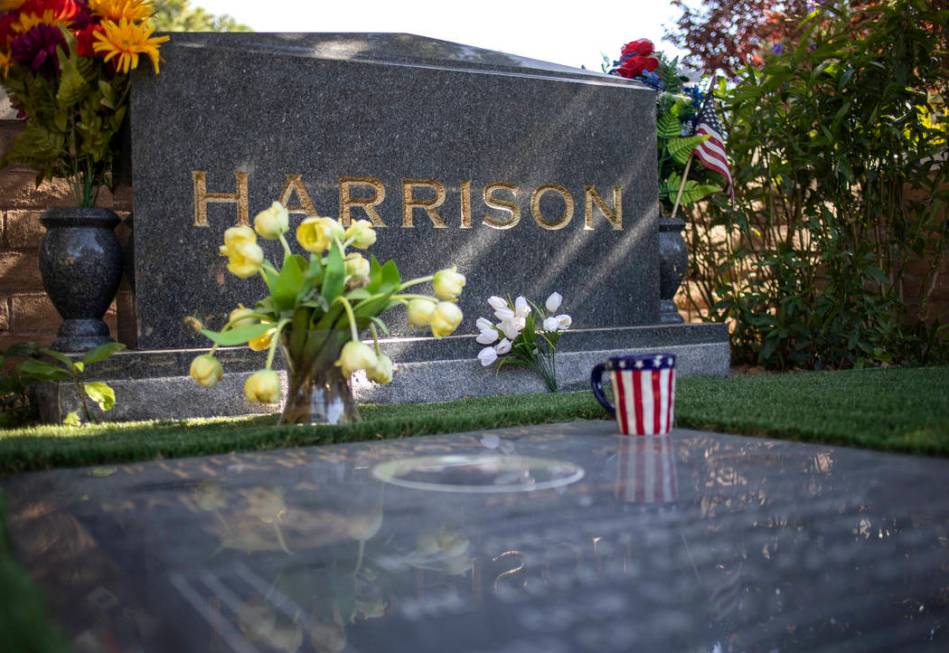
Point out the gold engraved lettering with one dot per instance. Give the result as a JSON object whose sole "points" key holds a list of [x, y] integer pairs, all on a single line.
{"points": [[294, 184], [466, 204], [430, 206], [368, 204], [564, 220], [614, 216], [510, 206], [202, 197]]}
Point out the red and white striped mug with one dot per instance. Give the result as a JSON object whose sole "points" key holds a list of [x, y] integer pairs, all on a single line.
{"points": [[644, 389]]}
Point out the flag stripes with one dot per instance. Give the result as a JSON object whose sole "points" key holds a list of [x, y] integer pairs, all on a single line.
{"points": [[711, 153], [646, 471], [644, 400]]}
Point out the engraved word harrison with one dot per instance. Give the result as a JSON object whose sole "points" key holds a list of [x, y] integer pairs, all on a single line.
{"points": [[366, 194]]}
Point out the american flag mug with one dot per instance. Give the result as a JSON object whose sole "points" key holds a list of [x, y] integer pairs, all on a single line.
{"points": [[644, 390]]}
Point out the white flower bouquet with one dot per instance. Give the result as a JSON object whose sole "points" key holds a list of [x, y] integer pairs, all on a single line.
{"points": [[530, 335]]}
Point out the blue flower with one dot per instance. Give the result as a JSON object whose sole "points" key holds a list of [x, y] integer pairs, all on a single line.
{"points": [[696, 95], [651, 78], [777, 48]]}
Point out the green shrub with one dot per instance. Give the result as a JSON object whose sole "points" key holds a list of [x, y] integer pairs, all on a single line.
{"points": [[839, 158]]}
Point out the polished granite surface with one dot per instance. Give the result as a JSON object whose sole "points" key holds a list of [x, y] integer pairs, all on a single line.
{"points": [[543, 539]]}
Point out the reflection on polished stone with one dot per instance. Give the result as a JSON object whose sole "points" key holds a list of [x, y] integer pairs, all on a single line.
{"points": [[479, 474], [695, 542]]}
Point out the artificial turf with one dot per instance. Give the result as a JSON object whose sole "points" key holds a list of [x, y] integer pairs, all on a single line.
{"points": [[896, 409]]}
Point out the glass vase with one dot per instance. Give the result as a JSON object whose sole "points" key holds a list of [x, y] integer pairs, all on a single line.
{"points": [[317, 393]]}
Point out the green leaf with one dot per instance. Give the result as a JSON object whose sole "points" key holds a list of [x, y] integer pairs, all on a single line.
{"points": [[72, 85], [375, 275], [101, 393], [270, 278], [22, 350], [681, 147], [692, 192], [72, 419], [335, 277], [40, 371], [237, 336], [108, 95], [369, 309], [102, 352], [288, 285], [63, 359], [382, 325], [314, 272], [391, 279], [358, 295], [315, 301], [668, 126]]}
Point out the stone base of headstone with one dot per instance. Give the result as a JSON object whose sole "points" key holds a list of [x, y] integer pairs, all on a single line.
{"points": [[155, 384]]}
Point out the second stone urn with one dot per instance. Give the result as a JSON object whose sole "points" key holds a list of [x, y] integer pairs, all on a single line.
{"points": [[673, 265], [81, 265]]}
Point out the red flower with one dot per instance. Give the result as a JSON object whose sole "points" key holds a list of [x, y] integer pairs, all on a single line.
{"points": [[85, 37], [63, 10], [641, 47], [635, 65], [6, 28]]}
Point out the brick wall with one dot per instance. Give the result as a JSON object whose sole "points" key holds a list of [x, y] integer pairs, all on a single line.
{"points": [[25, 311]]}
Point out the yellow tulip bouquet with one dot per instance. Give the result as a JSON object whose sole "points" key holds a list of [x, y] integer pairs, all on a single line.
{"points": [[315, 310]]}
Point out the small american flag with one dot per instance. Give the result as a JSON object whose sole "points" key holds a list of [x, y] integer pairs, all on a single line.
{"points": [[711, 153], [644, 391]]}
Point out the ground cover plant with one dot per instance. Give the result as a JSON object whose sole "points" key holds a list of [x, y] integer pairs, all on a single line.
{"points": [[838, 147], [889, 409]]}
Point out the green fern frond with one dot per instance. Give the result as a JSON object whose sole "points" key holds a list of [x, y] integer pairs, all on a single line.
{"points": [[668, 126], [681, 147]]}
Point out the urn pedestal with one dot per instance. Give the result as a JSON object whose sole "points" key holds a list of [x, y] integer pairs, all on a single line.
{"points": [[81, 265]]}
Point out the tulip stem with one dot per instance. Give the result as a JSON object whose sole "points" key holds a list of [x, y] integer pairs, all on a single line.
{"points": [[375, 337], [286, 247], [411, 296], [352, 317], [415, 282], [230, 323], [273, 341]]}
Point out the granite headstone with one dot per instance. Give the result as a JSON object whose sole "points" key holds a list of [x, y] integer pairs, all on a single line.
{"points": [[530, 177]]}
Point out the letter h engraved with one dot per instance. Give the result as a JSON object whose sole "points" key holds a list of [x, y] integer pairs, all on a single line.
{"points": [[202, 197]]}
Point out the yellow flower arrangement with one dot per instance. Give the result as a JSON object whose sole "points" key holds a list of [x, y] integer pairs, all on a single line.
{"points": [[315, 310], [65, 65]]}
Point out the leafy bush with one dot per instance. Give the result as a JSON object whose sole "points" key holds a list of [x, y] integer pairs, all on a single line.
{"points": [[839, 155], [26, 363]]}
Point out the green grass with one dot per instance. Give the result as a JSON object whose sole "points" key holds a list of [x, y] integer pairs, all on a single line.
{"points": [[890, 409]]}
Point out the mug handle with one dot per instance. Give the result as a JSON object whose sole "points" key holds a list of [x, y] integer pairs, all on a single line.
{"points": [[596, 382]]}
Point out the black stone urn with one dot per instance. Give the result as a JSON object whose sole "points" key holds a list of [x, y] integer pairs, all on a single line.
{"points": [[673, 265], [81, 264]]}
